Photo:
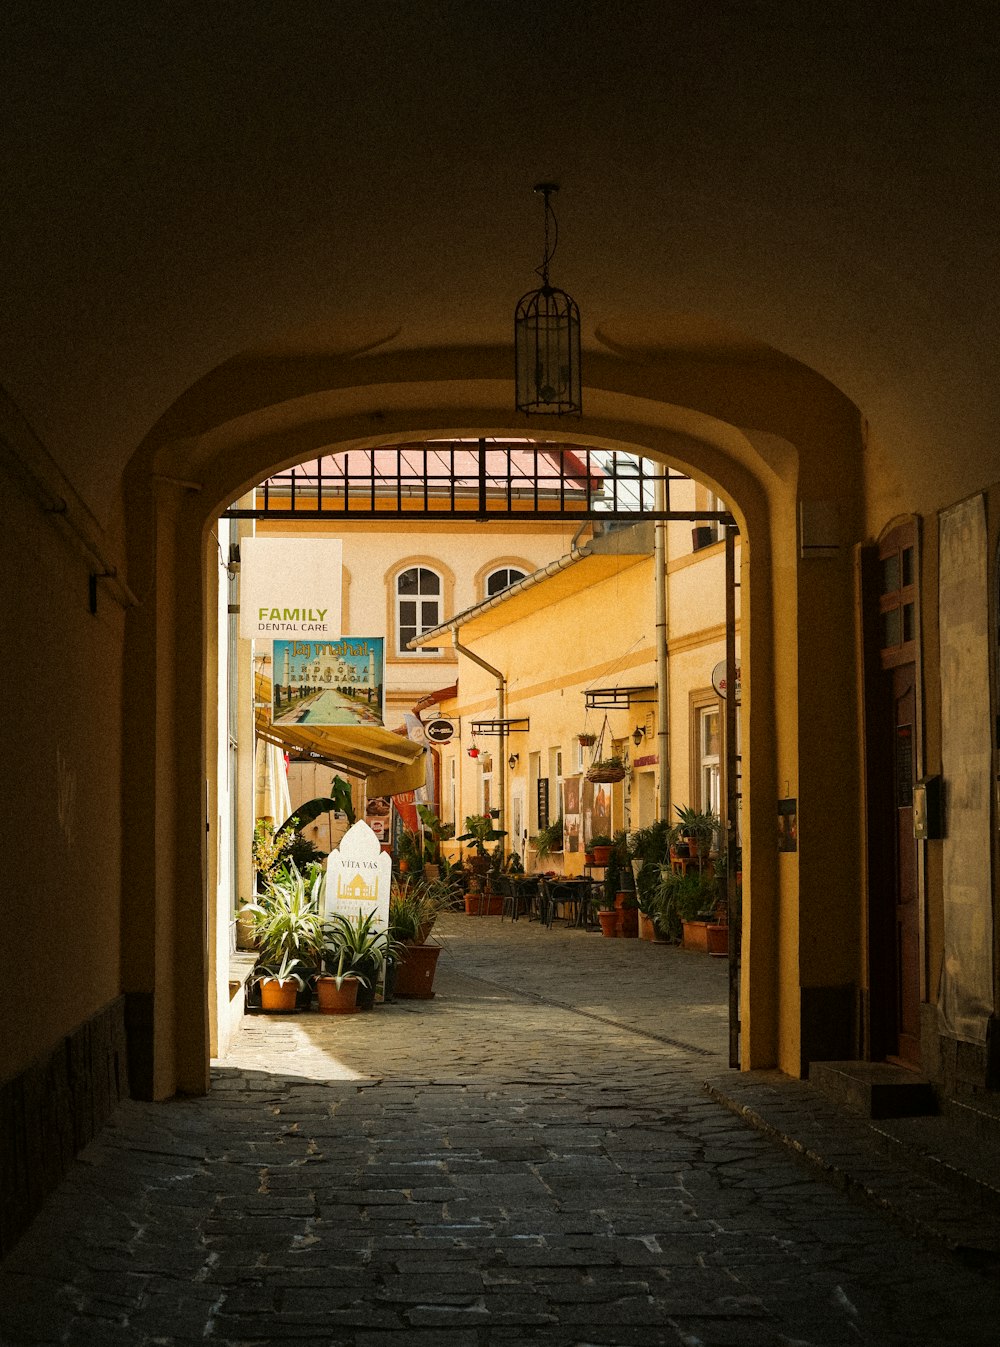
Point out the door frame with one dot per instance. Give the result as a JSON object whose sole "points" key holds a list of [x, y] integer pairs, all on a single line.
{"points": [[878, 1016]]}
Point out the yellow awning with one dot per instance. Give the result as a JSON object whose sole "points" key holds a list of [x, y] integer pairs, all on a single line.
{"points": [[389, 763]]}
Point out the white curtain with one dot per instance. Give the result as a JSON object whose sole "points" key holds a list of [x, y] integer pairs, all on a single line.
{"points": [[271, 797]]}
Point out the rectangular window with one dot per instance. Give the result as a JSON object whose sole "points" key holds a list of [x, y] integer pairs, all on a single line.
{"points": [[486, 784], [418, 608], [555, 783], [709, 741]]}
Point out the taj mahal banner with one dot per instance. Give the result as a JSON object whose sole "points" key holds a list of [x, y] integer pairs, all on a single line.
{"points": [[328, 682]]}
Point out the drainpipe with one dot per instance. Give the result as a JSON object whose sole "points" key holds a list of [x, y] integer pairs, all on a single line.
{"points": [[501, 686], [660, 557]]}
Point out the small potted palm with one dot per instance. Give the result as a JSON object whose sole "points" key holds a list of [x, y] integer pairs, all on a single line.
{"points": [[695, 832], [280, 984], [354, 953], [287, 925]]}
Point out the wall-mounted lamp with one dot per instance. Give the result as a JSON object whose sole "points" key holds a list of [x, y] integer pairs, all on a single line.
{"points": [[512, 761], [638, 734]]}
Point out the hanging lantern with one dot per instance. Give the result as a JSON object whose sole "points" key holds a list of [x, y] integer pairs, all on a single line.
{"points": [[547, 338]]}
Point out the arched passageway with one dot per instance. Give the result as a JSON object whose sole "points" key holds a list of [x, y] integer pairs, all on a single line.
{"points": [[773, 438]]}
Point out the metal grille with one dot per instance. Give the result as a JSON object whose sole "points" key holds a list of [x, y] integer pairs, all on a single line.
{"points": [[472, 479]]}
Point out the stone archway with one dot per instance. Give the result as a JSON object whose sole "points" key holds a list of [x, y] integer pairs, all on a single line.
{"points": [[228, 434]]}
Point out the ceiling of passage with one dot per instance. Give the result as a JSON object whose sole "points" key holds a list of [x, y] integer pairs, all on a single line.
{"points": [[182, 184]]}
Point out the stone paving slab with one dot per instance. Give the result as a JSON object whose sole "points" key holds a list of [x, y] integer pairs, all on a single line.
{"points": [[862, 1158], [528, 1158]]}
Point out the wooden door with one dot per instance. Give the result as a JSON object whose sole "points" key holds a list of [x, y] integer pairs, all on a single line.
{"points": [[905, 1026], [892, 743]]}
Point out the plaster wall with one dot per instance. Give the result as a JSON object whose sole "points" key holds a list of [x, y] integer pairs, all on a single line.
{"points": [[60, 743]]}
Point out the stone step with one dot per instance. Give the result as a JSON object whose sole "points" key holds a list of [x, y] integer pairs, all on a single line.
{"points": [[978, 1114], [949, 1151], [875, 1089]]}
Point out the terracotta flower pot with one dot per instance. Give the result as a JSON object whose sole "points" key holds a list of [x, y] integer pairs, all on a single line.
{"points": [[334, 1000], [415, 974], [696, 935], [609, 921], [278, 996], [602, 855], [628, 922], [717, 935], [647, 927]]}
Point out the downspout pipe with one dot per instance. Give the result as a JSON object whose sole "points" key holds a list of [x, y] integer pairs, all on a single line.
{"points": [[501, 714]]}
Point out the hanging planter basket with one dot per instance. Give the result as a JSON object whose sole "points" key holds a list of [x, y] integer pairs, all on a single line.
{"points": [[606, 772], [587, 740]]}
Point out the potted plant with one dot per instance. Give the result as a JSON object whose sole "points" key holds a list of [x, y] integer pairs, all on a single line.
{"points": [[649, 847], [412, 909], [697, 828], [600, 845], [286, 923], [608, 915], [695, 896], [479, 830], [411, 850], [269, 850], [611, 768], [279, 985], [337, 983], [354, 950], [586, 739], [435, 832], [548, 839], [620, 881]]}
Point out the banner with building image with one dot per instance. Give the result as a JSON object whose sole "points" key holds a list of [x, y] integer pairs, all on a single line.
{"points": [[328, 682]]}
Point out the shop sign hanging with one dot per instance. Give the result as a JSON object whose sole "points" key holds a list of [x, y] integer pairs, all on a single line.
{"points": [[290, 587]]}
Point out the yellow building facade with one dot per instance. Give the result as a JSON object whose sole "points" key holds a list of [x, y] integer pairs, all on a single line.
{"points": [[596, 634]]}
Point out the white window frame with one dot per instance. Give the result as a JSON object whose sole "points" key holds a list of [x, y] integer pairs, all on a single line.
{"points": [[418, 599], [709, 764], [515, 570]]}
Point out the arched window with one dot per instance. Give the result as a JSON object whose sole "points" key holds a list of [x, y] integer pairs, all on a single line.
{"points": [[418, 607], [502, 579]]}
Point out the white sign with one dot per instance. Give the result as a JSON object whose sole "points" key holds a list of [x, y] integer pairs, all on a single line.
{"points": [[719, 680], [359, 877], [290, 587]]}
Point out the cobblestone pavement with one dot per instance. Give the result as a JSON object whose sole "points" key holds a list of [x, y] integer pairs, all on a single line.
{"points": [[529, 1157]]}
